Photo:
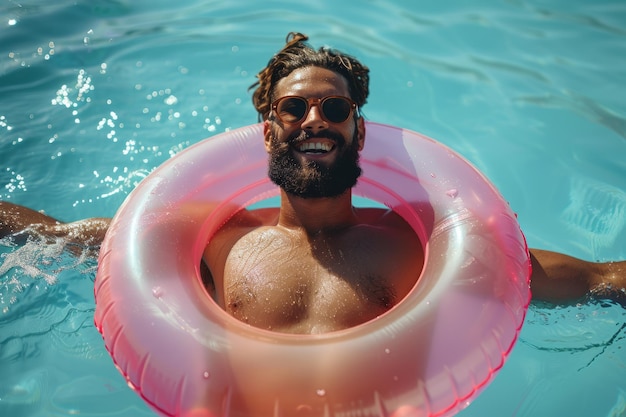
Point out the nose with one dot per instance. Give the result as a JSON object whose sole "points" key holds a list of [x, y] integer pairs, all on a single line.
{"points": [[313, 120]]}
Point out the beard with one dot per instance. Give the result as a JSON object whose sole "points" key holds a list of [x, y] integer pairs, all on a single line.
{"points": [[313, 179]]}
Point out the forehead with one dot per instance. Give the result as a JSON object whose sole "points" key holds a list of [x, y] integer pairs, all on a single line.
{"points": [[312, 82]]}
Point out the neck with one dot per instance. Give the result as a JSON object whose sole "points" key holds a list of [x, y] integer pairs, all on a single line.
{"points": [[316, 215]]}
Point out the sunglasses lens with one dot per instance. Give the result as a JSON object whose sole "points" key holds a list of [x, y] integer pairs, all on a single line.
{"points": [[292, 109], [336, 109]]}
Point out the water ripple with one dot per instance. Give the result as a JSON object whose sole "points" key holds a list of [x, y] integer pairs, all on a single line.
{"points": [[587, 107], [580, 19], [561, 328]]}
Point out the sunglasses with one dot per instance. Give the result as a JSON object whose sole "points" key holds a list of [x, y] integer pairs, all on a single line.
{"points": [[294, 109]]}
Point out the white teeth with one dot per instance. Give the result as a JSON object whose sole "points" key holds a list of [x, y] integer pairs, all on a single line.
{"points": [[315, 146]]}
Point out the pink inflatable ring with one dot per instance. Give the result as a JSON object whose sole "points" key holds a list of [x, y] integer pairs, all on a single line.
{"points": [[427, 356]]}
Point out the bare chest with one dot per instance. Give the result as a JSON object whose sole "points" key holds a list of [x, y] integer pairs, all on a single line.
{"points": [[286, 282]]}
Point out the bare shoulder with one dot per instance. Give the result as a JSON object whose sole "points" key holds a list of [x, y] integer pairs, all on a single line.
{"points": [[384, 218], [391, 241], [390, 231], [253, 218], [242, 223]]}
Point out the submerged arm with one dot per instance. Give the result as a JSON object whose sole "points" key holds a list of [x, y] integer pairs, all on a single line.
{"points": [[21, 221], [561, 278]]}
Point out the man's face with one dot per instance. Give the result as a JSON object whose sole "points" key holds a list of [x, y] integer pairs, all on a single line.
{"points": [[314, 157]]}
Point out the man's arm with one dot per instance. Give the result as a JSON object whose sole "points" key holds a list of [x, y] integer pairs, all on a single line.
{"points": [[556, 277], [559, 278], [21, 221]]}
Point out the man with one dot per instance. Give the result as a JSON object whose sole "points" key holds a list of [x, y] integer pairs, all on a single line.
{"points": [[318, 264]]}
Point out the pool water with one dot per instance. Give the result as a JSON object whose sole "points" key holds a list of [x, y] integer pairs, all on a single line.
{"points": [[96, 94]]}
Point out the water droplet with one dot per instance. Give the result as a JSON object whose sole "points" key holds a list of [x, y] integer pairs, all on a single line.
{"points": [[157, 292], [452, 193], [321, 392], [387, 350], [206, 375]]}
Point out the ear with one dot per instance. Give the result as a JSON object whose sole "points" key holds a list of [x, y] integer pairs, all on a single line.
{"points": [[267, 135], [360, 127]]}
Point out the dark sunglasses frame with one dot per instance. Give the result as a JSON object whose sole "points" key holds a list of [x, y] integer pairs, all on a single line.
{"points": [[310, 102]]}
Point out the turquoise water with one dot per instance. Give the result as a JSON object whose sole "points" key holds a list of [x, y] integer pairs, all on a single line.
{"points": [[95, 94]]}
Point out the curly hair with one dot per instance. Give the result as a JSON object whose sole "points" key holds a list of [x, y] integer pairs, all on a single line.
{"points": [[298, 54]]}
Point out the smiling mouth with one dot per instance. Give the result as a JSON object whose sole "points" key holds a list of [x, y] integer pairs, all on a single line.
{"points": [[315, 147]]}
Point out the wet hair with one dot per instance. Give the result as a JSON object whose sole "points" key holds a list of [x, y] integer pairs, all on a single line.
{"points": [[298, 54]]}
